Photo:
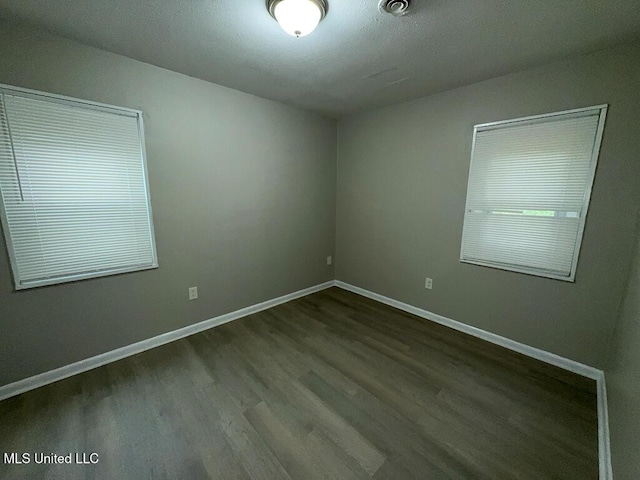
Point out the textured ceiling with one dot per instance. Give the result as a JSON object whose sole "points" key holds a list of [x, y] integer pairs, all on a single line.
{"points": [[357, 58]]}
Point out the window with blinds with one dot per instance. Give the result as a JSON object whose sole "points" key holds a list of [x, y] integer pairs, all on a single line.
{"points": [[529, 186], [75, 201]]}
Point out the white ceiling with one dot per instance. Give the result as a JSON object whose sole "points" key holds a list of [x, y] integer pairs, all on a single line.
{"points": [[357, 58]]}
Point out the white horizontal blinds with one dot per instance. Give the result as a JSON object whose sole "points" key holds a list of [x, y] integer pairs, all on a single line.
{"points": [[74, 190], [527, 187]]}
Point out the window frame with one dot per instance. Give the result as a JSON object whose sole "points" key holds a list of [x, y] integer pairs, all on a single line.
{"points": [[601, 111], [66, 100]]}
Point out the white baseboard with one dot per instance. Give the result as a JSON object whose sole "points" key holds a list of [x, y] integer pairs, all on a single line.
{"points": [[51, 376], [553, 359], [604, 445], [604, 452]]}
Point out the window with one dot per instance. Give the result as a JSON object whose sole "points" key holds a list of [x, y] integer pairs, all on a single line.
{"points": [[73, 183], [529, 186]]}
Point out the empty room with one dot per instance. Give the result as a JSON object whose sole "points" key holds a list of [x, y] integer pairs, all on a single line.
{"points": [[320, 239]]}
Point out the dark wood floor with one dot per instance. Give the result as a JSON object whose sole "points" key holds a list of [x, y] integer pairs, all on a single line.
{"points": [[332, 385]]}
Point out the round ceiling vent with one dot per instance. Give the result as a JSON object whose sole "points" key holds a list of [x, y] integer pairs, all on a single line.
{"points": [[394, 7]]}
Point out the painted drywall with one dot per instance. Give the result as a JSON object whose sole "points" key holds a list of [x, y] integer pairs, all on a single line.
{"points": [[623, 380], [243, 197], [402, 178]]}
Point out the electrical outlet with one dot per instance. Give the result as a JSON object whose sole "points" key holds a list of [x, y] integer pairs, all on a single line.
{"points": [[428, 283], [193, 293], [329, 260]]}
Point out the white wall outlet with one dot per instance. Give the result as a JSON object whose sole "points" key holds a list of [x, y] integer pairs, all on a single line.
{"points": [[329, 260], [193, 293], [428, 283]]}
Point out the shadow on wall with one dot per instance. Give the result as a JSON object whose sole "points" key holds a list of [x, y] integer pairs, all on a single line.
{"points": [[623, 378]]}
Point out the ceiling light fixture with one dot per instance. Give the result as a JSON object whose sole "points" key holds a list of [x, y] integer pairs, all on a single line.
{"points": [[298, 17]]}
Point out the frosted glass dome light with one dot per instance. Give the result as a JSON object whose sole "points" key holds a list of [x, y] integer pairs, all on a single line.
{"points": [[298, 17]]}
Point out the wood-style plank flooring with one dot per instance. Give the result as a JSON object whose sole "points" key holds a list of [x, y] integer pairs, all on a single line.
{"points": [[332, 385]]}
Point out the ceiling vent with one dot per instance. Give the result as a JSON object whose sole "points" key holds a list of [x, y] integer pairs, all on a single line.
{"points": [[394, 7]]}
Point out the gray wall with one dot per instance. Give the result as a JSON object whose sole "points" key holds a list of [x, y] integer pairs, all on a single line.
{"points": [[623, 381], [243, 197], [402, 177]]}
